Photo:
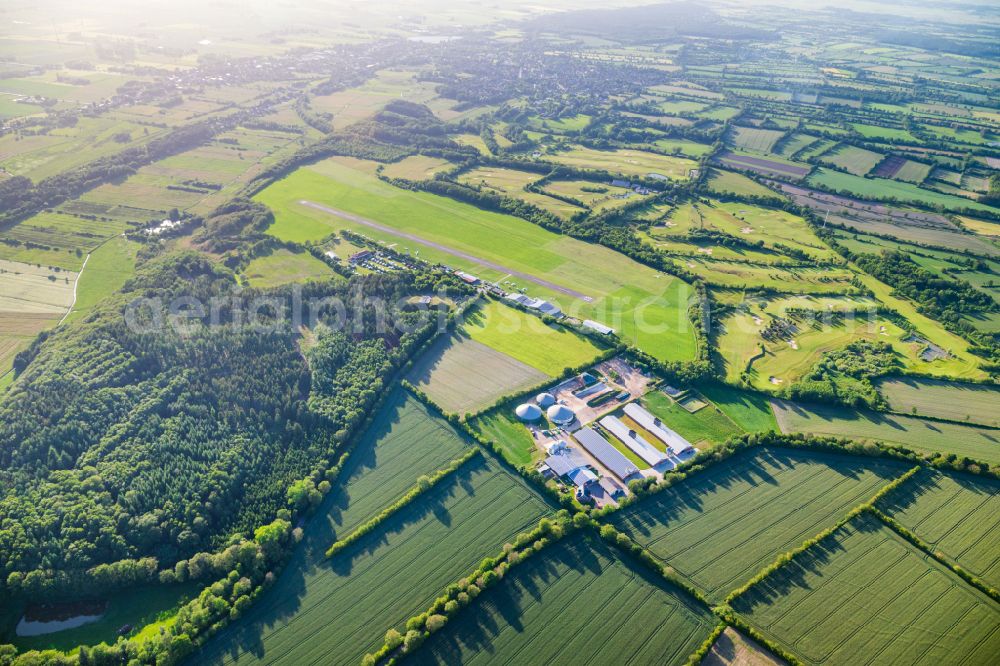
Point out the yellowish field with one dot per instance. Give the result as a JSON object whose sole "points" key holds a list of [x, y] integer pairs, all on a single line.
{"points": [[511, 182], [628, 163], [34, 289], [364, 101], [416, 167]]}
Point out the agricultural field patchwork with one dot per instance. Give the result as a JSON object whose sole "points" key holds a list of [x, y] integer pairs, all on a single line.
{"points": [[957, 514], [586, 280], [718, 528], [336, 610], [576, 596], [865, 596]]}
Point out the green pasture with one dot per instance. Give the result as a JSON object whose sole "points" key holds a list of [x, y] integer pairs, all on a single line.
{"points": [[722, 181], [525, 337], [972, 403], [283, 266]]}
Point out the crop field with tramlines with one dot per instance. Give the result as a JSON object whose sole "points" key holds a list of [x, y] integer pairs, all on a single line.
{"points": [[866, 596], [957, 514], [463, 375], [972, 403], [575, 597], [908, 431], [336, 610], [721, 526]]}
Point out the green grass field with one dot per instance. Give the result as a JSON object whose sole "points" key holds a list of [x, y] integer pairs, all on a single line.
{"points": [[515, 441], [911, 432], [525, 337], [853, 159], [722, 181], [865, 596], [684, 147], [703, 428], [720, 527], [755, 139], [882, 188], [108, 268], [334, 611], [283, 266], [511, 183], [645, 306], [973, 403], [750, 411], [464, 376], [575, 597], [957, 514], [599, 197]]}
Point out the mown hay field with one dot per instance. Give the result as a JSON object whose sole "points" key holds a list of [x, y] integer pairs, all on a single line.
{"points": [[465, 376], [957, 514], [973, 403], [718, 528], [416, 167], [645, 306], [576, 597], [333, 611], [913, 433], [865, 596], [283, 266]]}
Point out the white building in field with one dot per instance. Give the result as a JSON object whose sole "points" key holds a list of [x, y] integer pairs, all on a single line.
{"points": [[675, 443]]}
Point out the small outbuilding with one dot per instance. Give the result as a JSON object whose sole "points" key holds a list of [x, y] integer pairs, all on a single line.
{"points": [[528, 412]]}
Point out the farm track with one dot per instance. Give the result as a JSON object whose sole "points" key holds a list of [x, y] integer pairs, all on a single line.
{"points": [[448, 250]]}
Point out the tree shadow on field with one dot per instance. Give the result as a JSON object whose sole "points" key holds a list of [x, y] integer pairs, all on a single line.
{"points": [[309, 564], [501, 607], [812, 564]]}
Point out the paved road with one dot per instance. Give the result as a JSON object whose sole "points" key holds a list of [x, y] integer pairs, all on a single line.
{"points": [[444, 248]]}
